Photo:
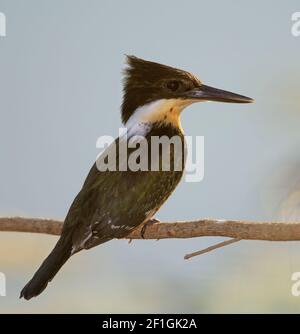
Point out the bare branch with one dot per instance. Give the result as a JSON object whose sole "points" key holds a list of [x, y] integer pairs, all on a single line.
{"points": [[32, 225], [272, 231]]}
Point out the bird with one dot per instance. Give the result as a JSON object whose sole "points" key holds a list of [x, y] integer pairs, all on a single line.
{"points": [[111, 203]]}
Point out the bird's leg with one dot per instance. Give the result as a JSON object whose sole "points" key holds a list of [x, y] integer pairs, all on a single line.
{"points": [[147, 224]]}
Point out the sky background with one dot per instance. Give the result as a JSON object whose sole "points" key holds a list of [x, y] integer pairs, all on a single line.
{"points": [[60, 89]]}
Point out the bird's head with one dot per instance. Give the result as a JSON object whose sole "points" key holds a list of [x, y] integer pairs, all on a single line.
{"points": [[158, 93]]}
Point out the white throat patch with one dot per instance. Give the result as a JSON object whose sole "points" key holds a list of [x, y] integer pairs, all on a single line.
{"points": [[164, 110]]}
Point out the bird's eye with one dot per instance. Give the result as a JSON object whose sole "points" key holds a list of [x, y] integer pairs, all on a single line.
{"points": [[173, 85]]}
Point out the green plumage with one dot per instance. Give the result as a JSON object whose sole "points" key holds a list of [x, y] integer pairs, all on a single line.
{"points": [[112, 203]]}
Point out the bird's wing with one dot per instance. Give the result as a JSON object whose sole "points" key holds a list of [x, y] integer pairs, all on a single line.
{"points": [[120, 202]]}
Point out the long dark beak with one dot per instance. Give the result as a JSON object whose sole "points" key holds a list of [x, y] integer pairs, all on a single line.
{"points": [[207, 93]]}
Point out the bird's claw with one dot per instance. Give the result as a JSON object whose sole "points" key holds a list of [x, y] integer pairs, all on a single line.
{"points": [[147, 224]]}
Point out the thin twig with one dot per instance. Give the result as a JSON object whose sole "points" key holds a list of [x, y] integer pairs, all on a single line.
{"points": [[211, 248]]}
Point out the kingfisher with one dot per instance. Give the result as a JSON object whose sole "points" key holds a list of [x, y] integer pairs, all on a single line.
{"points": [[111, 203]]}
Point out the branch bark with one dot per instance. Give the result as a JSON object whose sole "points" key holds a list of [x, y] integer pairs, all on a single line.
{"points": [[235, 229], [247, 230]]}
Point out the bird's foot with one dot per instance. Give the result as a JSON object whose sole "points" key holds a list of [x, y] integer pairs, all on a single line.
{"points": [[147, 224]]}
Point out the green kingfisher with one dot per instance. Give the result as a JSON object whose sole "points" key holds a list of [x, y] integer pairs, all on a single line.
{"points": [[112, 203]]}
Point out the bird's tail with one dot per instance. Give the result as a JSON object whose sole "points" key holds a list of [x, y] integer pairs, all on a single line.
{"points": [[49, 268]]}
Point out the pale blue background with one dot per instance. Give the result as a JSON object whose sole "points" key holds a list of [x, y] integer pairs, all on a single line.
{"points": [[60, 88]]}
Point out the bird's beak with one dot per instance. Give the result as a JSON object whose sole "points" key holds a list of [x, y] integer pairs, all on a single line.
{"points": [[206, 93]]}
